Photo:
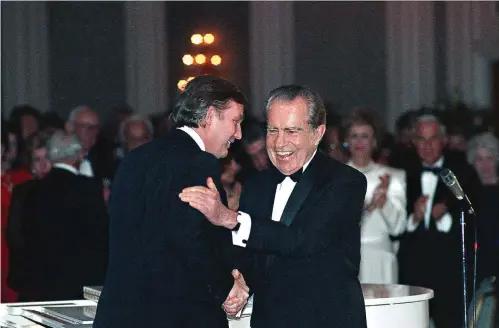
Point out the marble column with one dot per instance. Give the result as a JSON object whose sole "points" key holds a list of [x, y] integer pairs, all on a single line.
{"points": [[410, 46], [25, 55], [146, 56], [272, 59], [472, 42]]}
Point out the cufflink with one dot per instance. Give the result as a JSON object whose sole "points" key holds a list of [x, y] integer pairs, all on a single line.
{"points": [[245, 241], [236, 228]]}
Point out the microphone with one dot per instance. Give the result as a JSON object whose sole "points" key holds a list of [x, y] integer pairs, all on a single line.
{"points": [[452, 183]]}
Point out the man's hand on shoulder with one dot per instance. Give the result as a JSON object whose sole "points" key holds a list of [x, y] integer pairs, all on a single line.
{"points": [[207, 201]]}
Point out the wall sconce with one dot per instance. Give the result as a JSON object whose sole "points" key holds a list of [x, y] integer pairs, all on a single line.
{"points": [[216, 60]]}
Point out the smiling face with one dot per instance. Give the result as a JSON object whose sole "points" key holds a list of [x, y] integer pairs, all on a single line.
{"points": [[429, 141], [223, 128], [291, 141], [485, 164], [360, 140], [40, 163]]}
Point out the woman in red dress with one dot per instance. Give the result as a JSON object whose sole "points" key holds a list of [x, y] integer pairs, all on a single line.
{"points": [[36, 165]]}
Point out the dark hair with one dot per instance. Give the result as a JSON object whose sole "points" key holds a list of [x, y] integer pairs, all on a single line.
{"points": [[192, 105], [17, 114], [361, 116], [315, 106], [32, 143], [253, 131], [406, 120]]}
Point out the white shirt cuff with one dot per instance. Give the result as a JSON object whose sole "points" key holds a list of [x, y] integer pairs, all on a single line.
{"points": [[445, 223], [411, 226], [240, 237]]}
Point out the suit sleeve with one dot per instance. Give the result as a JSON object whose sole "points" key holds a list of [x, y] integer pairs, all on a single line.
{"points": [[186, 226], [337, 211]]}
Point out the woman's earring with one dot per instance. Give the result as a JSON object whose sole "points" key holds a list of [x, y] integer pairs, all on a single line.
{"points": [[345, 145]]}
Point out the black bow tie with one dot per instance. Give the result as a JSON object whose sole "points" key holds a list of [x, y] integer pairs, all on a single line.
{"points": [[295, 176], [434, 170]]}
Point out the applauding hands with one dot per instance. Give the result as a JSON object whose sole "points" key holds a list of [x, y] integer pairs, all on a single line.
{"points": [[379, 195]]}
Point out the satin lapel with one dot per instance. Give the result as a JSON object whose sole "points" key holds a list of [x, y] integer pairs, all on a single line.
{"points": [[300, 192]]}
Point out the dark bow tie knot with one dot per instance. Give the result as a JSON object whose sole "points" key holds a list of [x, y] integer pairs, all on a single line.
{"points": [[295, 176], [434, 170]]}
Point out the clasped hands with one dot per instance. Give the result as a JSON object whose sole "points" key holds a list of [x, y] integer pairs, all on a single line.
{"points": [[238, 295], [207, 201]]}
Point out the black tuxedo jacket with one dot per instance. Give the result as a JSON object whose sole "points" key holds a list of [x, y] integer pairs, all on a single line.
{"points": [[101, 157], [167, 264], [431, 258], [304, 269], [69, 242]]}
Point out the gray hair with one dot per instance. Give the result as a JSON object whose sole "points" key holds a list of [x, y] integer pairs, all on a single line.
{"points": [[135, 118], [63, 146], [77, 110], [431, 118], [315, 106], [486, 141]]}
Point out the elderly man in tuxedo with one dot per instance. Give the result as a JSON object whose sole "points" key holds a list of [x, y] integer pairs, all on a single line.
{"points": [[98, 161], [68, 235], [168, 267], [429, 254], [298, 222]]}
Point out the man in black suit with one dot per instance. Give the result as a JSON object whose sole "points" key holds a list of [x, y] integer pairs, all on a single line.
{"points": [[430, 251], [69, 228], [302, 233], [98, 151], [168, 267]]}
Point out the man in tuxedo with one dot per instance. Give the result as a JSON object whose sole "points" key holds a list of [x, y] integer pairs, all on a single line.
{"points": [[298, 221], [430, 249], [168, 267], [69, 227], [98, 153]]}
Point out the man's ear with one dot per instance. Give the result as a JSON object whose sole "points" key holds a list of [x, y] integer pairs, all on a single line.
{"points": [[210, 115], [319, 133]]}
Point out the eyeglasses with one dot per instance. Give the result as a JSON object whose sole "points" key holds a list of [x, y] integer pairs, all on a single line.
{"points": [[86, 126]]}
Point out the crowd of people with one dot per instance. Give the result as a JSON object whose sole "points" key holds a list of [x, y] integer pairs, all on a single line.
{"points": [[57, 178]]}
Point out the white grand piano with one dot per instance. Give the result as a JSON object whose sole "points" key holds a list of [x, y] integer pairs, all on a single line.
{"points": [[387, 306]]}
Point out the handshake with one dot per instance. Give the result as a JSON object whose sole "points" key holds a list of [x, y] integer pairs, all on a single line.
{"points": [[238, 295]]}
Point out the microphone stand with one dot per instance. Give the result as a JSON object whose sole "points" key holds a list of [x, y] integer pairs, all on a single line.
{"points": [[463, 262]]}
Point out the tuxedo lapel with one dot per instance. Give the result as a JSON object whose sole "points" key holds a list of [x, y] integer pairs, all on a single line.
{"points": [[299, 195], [295, 201]]}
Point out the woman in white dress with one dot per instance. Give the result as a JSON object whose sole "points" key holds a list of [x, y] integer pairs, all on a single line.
{"points": [[385, 203]]}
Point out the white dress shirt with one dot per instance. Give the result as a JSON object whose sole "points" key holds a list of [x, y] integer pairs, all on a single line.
{"points": [[282, 194], [86, 168], [66, 167], [194, 135], [429, 182]]}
